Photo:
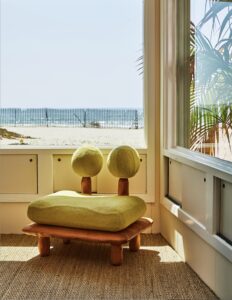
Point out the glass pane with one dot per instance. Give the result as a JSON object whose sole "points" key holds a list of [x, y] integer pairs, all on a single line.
{"points": [[71, 72], [210, 73]]}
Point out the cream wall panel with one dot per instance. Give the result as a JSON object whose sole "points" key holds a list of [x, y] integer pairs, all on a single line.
{"points": [[148, 214], [13, 217], [212, 267], [45, 173], [171, 230], [175, 181], [190, 247], [153, 213], [18, 174], [199, 255], [64, 178], [108, 184], [223, 277], [194, 193], [226, 210]]}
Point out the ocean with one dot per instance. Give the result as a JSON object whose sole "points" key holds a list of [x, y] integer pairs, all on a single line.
{"points": [[73, 117]]}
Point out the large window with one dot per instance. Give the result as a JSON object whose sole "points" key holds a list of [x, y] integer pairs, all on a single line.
{"points": [[204, 72], [72, 72], [196, 105]]}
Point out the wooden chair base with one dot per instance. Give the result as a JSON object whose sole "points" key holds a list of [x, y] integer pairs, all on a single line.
{"points": [[130, 234]]}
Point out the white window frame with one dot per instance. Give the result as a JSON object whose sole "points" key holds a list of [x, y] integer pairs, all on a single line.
{"points": [[151, 120], [214, 167]]}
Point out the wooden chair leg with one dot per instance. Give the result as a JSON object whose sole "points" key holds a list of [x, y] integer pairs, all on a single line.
{"points": [[66, 241], [44, 245], [116, 256], [134, 244]]}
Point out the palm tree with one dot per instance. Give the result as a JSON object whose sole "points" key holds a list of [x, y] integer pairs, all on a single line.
{"points": [[211, 80]]}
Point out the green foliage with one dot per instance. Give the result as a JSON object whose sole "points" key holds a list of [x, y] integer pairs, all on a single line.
{"points": [[4, 133], [211, 87]]}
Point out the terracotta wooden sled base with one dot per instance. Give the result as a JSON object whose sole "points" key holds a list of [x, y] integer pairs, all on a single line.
{"points": [[130, 234]]}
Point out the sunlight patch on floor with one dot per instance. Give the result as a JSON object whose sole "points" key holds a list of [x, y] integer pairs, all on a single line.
{"points": [[18, 253], [179, 244]]}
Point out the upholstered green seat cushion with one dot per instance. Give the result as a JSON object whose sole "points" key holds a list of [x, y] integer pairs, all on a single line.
{"points": [[70, 209]]}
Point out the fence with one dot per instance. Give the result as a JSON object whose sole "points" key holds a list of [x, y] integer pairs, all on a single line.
{"points": [[49, 117]]}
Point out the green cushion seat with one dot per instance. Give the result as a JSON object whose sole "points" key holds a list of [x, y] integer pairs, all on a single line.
{"points": [[70, 209]]}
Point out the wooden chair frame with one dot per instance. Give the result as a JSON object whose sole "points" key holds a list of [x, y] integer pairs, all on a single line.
{"points": [[130, 234]]}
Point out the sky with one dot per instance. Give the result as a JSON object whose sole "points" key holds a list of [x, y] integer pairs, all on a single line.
{"points": [[198, 12], [211, 31], [71, 53]]}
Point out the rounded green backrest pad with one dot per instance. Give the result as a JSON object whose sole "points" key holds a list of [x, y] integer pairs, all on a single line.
{"points": [[123, 162], [87, 161]]}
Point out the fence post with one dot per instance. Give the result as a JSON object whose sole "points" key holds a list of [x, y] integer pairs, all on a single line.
{"points": [[136, 119], [46, 115], [15, 117], [84, 118]]}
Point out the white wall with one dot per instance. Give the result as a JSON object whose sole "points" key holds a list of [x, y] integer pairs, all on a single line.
{"points": [[29, 174], [212, 267], [13, 217]]}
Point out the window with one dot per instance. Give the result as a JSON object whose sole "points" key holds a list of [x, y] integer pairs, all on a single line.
{"points": [[196, 187], [204, 72], [72, 72]]}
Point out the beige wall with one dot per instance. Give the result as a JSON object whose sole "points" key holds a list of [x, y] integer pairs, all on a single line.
{"points": [[212, 267], [49, 170], [13, 217]]}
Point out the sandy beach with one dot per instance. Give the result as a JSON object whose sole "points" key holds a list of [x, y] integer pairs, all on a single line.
{"points": [[69, 136], [100, 137]]}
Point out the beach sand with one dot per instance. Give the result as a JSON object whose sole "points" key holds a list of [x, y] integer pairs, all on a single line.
{"points": [[63, 137], [69, 136]]}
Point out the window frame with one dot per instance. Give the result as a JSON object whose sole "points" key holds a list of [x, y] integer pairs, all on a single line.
{"points": [[170, 105], [214, 168], [151, 120]]}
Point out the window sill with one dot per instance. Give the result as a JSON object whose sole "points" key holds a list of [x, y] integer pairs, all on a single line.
{"points": [[215, 166], [23, 149]]}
